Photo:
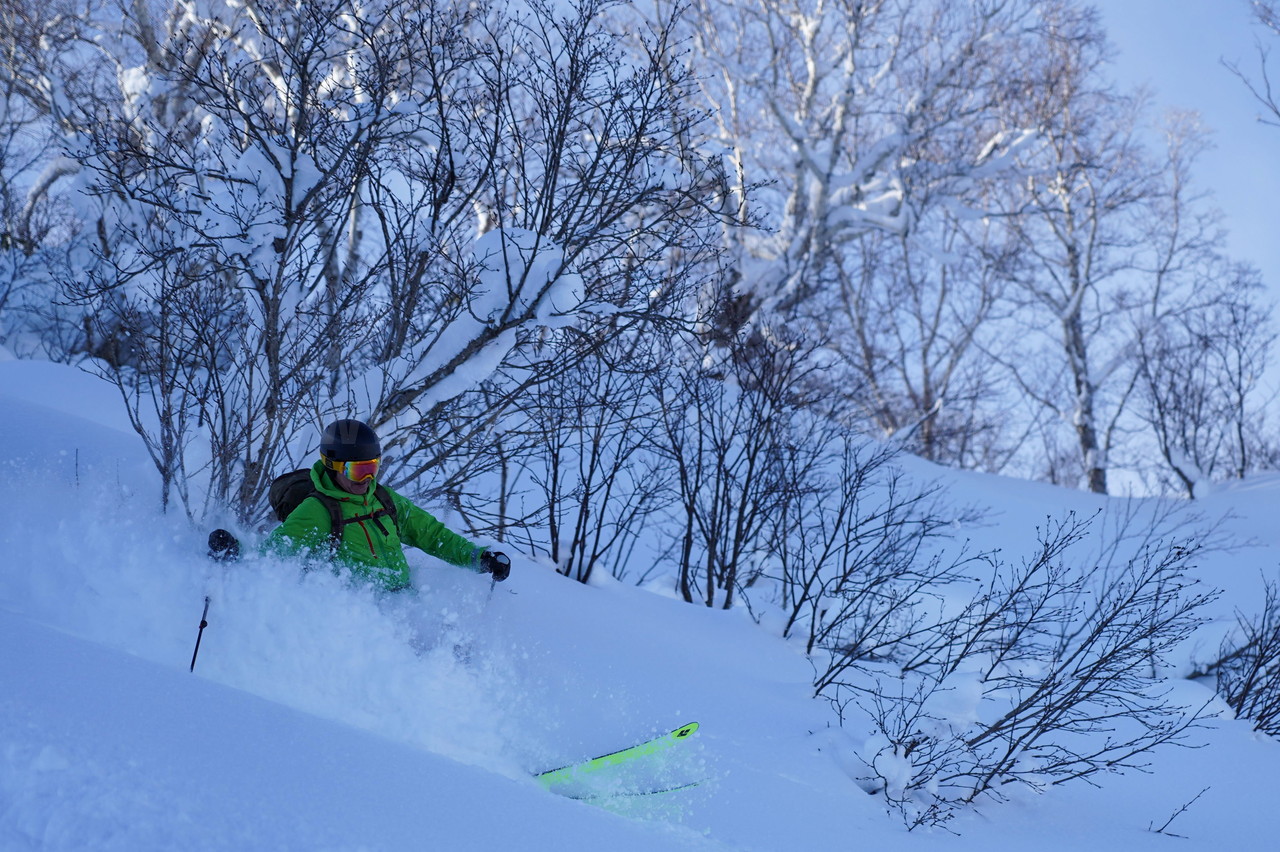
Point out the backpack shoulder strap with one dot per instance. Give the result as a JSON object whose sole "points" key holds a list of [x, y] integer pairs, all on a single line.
{"points": [[336, 522], [389, 505]]}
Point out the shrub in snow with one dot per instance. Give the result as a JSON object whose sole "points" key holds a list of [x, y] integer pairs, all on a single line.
{"points": [[1049, 673], [1248, 666]]}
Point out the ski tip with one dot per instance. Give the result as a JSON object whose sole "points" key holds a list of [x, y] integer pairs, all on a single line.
{"points": [[595, 764]]}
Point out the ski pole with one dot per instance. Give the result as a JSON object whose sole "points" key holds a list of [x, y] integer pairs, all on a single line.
{"points": [[204, 622]]}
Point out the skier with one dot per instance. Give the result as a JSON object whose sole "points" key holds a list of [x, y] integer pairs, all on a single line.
{"points": [[345, 515]]}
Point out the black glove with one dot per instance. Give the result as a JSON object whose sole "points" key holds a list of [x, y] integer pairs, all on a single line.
{"points": [[495, 563], [223, 546]]}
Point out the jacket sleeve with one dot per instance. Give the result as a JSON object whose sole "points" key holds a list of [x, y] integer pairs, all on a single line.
{"points": [[424, 532], [304, 532]]}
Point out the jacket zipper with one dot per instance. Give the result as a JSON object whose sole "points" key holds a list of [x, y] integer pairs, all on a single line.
{"points": [[368, 538]]}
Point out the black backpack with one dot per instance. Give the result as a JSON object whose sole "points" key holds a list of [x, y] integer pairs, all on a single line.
{"points": [[289, 490]]}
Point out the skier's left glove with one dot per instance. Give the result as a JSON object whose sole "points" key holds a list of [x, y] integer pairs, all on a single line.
{"points": [[495, 563], [223, 546]]}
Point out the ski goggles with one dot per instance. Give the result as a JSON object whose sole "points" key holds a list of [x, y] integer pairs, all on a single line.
{"points": [[356, 471]]}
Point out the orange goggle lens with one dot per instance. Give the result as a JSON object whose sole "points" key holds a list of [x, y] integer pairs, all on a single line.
{"points": [[359, 471], [356, 471]]}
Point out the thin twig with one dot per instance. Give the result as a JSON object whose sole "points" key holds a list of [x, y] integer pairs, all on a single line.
{"points": [[1176, 814]]}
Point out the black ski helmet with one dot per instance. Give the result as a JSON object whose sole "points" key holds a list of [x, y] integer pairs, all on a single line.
{"points": [[349, 440]]}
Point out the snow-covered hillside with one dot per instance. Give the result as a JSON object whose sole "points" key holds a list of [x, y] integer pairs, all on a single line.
{"points": [[325, 717]]}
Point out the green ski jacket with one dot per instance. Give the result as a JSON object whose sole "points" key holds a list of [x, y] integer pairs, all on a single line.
{"points": [[372, 547]]}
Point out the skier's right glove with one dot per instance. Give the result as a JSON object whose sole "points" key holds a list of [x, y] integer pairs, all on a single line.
{"points": [[223, 546], [495, 563]]}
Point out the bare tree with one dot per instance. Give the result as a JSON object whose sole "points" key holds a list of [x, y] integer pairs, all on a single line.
{"points": [[39, 229], [319, 175], [872, 102], [588, 198], [1200, 373], [734, 425], [1203, 335], [222, 169], [1267, 14], [919, 310], [1075, 217], [587, 479], [858, 560], [1247, 670], [1064, 655], [885, 209]]}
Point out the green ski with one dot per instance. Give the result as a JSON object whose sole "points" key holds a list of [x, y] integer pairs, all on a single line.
{"points": [[579, 771]]}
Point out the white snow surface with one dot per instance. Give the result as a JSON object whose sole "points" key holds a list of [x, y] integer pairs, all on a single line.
{"points": [[326, 717]]}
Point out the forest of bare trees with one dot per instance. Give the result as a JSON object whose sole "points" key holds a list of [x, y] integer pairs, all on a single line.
{"points": [[253, 216], [665, 288]]}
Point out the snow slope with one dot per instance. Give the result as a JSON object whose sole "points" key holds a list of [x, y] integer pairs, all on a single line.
{"points": [[104, 750], [325, 717]]}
